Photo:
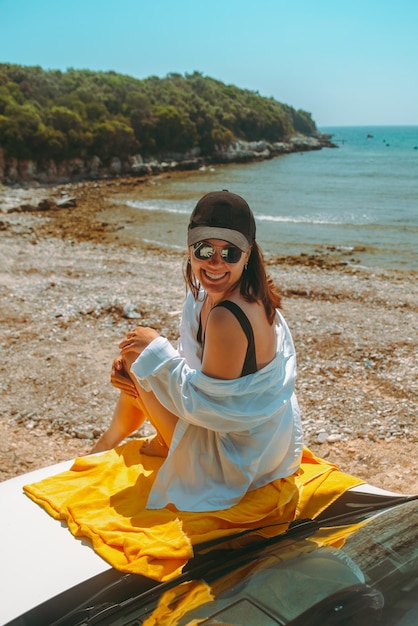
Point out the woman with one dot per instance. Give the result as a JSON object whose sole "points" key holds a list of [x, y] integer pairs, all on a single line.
{"points": [[223, 404]]}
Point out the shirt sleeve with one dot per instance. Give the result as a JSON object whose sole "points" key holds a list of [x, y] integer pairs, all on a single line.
{"points": [[220, 405]]}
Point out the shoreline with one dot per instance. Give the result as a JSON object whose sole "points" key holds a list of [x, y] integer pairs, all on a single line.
{"points": [[53, 200], [73, 284]]}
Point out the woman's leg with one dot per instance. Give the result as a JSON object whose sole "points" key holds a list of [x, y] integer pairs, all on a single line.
{"points": [[163, 421], [128, 416], [130, 413]]}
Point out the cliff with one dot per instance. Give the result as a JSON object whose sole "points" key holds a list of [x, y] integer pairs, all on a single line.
{"points": [[24, 172]]}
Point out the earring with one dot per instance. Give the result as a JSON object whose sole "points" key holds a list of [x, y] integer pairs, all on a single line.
{"points": [[246, 266]]}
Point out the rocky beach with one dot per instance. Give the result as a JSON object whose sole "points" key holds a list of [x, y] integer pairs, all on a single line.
{"points": [[74, 280]]}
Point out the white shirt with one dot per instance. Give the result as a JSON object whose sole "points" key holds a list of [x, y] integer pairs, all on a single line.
{"points": [[232, 435]]}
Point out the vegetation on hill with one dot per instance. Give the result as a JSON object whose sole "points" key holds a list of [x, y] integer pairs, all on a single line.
{"points": [[81, 113]]}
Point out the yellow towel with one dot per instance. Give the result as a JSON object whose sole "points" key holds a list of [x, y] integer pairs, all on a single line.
{"points": [[103, 498]]}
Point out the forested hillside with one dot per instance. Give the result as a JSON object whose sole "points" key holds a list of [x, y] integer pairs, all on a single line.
{"points": [[81, 113]]}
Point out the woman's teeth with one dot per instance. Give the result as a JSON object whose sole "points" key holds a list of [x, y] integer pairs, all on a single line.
{"points": [[215, 276]]}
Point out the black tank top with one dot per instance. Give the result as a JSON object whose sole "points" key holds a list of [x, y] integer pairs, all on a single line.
{"points": [[250, 362]]}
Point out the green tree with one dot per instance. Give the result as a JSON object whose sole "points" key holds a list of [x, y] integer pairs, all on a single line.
{"points": [[50, 143], [303, 123], [174, 131], [81, 112], [18, 127], [113, 138]]}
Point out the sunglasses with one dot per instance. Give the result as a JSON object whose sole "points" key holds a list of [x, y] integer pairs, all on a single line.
{"points": [[202, 251]]}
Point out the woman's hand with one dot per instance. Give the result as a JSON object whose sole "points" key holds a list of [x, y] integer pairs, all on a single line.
{"points": [[135, 343], [119, 377]]}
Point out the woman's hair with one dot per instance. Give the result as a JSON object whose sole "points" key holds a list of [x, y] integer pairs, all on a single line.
{"points": [[255, 286]]}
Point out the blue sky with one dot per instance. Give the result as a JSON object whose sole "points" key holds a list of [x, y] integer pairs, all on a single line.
{"points": [[347, 62]]}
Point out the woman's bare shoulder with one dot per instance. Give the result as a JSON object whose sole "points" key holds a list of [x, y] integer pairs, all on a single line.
{"points": [[225, 345]]}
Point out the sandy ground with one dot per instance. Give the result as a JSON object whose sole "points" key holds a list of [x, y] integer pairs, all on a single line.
{"points": [[72, 284]]}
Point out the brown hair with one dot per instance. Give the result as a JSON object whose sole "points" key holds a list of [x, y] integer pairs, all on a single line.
{"points": [[255, 286]]}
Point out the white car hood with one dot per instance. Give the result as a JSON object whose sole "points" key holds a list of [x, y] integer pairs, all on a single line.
{"points": [[40, 557]]}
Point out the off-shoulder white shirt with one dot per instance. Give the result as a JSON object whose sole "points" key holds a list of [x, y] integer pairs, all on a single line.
{"points": [[232, 436]]}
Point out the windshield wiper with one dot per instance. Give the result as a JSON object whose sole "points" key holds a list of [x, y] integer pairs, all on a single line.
{"points": [[349, 512]]}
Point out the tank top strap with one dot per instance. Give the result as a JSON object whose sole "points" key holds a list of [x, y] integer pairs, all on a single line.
{"points": [[250, 362]]}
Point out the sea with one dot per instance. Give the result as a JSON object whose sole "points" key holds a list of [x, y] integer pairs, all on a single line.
{"points": [[358, 200]]}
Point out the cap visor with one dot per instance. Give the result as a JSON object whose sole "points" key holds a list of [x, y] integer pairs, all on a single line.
{"points": [[202, 233]]}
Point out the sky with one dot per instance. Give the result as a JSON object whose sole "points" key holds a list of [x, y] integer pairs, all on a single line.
{"points": [[347, 62]]}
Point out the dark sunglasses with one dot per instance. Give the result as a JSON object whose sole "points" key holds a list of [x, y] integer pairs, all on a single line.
{"points": [[203, 251]]}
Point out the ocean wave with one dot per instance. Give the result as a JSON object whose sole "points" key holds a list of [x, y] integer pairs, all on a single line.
{"points": [[154, 206], [333, 220], [163, 244]]}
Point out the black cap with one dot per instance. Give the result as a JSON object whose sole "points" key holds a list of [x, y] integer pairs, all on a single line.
{"points": [[222, 215]]}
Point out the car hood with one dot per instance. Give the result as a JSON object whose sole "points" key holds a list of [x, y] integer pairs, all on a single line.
{"points": [[40, 557]]}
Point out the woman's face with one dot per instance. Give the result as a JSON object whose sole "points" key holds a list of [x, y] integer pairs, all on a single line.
{"points": [[216, 275]]}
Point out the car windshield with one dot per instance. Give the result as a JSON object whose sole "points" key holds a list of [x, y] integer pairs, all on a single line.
{"points": [[365, 573]]}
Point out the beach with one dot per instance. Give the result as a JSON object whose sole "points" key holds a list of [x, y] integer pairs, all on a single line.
{"points": [[75, 279]]}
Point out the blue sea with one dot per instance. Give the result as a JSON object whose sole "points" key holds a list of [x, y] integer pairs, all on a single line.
{"points": [[359, 199]]}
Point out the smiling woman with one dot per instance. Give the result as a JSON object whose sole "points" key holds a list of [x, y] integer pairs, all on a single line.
{"points": [[223, 404]]}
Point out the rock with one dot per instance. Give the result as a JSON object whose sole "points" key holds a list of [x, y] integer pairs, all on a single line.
{"points": [[93, 167], [322, 437], [300, 143], [130, 312], [46, 205], [115, 166], [81, 432], [66, 202], [27, 170], [334, 437], [11, 171]]}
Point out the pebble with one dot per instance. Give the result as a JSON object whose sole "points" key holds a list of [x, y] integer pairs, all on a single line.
{"points": [[335, 437], [322, 437]]}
